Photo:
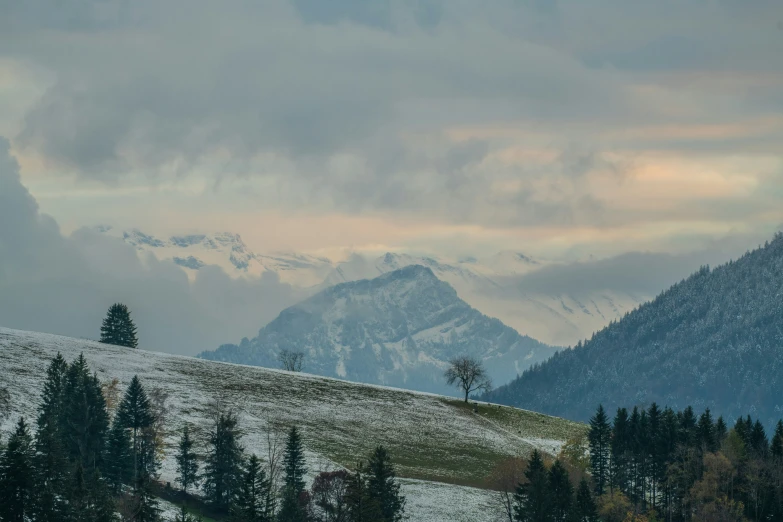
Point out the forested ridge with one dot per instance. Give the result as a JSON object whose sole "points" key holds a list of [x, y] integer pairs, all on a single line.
{"points": [[714, 340]]}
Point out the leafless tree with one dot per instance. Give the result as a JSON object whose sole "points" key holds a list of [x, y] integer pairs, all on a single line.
{"points": [[468, 374], [111, 394], [160, 410], [291, 361], [504, 478], [275, 445]]}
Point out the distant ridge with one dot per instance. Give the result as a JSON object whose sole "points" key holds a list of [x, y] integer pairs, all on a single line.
{"points": [[714, 340], [398, 329]]}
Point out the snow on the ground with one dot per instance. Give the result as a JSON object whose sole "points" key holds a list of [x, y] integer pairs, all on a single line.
{"points": [[341, 421]]}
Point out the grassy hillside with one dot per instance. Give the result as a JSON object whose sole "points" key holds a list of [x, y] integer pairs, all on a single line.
{"points": [[436, 441]]}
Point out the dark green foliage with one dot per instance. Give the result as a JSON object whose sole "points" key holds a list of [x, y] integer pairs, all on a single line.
{"points": [[118, 468], [250, 504], [187, 461], [118, 327], [713, 339], [135, 415], [361, 507], [294, 470], [532, 499], [584, 507], [776, 448], [184, 516], [561, 492], [383, 487], [599, 438], [223, 463], [17, 476], [51, 464]]}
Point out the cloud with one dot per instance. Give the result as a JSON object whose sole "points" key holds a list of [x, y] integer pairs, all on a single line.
{"points": [[354, 107], [64, 285]]}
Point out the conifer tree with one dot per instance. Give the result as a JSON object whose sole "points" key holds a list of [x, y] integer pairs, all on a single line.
{"points": [[776, 447], [118, 468], [620, 450], [17, 476], [532, 499], [383, 487], [561, 491], [584, 507], [135, 415], [50, 460], [187, 461], [721, 431], [118, 327], [223, 463], [250, 503], [294, 471], [706, 432], [360, 506], [85, 420], [599, 438]]}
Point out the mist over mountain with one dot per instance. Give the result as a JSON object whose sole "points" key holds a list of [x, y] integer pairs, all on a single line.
{"points": [[399, 329], [714, 340]]}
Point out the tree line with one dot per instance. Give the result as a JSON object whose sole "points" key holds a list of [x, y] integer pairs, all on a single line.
{"points": [[94, 458], [661, 464]]}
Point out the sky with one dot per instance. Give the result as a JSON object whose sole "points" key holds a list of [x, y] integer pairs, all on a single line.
{"points": [[559, 128], [562, 129]]}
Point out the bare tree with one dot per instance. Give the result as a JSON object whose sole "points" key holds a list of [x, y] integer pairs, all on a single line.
{"points": [[504, 478], [291, 361], [111, 394], [468, 373], [160, 411]]}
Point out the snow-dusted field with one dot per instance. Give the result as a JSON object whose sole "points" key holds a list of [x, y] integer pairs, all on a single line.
{"points": [[435, 441]]}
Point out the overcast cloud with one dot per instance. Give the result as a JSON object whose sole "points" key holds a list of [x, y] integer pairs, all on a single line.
{"points": [[557, 128]]}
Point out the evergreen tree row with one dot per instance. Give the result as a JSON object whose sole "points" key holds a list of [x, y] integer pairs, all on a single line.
{"points": [[77, 464], [680, 466]]}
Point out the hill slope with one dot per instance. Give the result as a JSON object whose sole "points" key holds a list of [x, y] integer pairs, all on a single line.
{"points": [[713, 340], [399, 329], [433, 439]]}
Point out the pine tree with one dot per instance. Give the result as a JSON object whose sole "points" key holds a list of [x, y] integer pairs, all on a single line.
{"points": [[187, 462], [118, 327], [85, 420], [533, 502], [383, 487], [250, 503], [777, 441], [720, 431], [223, 463], [599, 438], [118, 468], [561, 492], [294, 471], [360, 506], [135, 415], [706, 432], [17, 476], [50, 462], [584, 507], [620, 449], [184, 516]]}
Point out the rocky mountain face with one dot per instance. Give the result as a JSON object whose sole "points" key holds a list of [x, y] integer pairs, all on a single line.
{"points": [[491, 284], [714, 340], [398, 329]]}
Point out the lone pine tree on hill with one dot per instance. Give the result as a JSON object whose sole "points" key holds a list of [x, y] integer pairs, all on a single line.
{"points": [[118, 327]]}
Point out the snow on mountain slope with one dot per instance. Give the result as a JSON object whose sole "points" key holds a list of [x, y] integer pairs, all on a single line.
{"points": [[431, 437], [229, 252], [398, 329], [487, 284]]}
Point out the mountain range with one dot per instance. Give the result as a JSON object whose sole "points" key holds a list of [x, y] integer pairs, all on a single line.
{"points": [[398, 329], [714, 340], [493, 285]]}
